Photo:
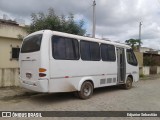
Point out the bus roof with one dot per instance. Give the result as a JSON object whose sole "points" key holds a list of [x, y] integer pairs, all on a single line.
{"points": [[82, 38]]}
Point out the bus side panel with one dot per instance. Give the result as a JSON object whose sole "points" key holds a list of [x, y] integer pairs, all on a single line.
{"points": [[65, 75]]}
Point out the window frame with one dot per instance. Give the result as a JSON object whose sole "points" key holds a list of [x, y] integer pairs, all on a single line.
{"points": [[90, 42], [108, 59], [72, 39], [14, 58], [82, 52], [33, 50], [131, 63]]}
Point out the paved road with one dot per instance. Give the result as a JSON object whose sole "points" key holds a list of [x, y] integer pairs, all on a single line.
{"points": [[144, 96]]}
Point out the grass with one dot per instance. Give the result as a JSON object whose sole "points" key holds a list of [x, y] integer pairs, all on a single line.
{"points": [[141, 75]]}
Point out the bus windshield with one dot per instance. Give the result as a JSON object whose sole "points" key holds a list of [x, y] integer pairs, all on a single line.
{"points": [[31, 44]]}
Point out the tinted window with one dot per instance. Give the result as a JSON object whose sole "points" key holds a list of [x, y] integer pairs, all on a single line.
{"points": [[59, 47], [85, 50], [111, 53], [131, 57], [90, 51], [104, 50], [95, 51], [65, 48], [108, 52], [31, 44]]}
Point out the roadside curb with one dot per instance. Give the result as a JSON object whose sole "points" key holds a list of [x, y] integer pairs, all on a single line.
{"points": [[11, 93], [150, 77]]}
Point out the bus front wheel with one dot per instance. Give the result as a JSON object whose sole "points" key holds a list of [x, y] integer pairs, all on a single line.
{"points": [[128, 84], [86, 90]]}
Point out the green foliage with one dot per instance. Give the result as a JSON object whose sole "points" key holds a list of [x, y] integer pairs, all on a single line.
{"points": [[51, 21], [133, 43], [141, 75], [149, 61]]}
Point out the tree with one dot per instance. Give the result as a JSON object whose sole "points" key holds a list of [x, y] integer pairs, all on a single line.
{"points": [[134, 43], [41, 21]]}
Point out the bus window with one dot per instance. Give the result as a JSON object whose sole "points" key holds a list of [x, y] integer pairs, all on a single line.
{"points": [[95, 51], [90, 51], [31, 44], [108, 52], [131, 57], [85, 50], [65, 48]]}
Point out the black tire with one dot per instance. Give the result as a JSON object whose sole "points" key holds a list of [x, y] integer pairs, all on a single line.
{"points": [[86, 90], [128, 84]]}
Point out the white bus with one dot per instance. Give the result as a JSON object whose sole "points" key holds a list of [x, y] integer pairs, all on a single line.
{"points": [[53, 61]]}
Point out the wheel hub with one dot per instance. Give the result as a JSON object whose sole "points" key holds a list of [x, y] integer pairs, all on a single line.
{"points": [[87, 90]]}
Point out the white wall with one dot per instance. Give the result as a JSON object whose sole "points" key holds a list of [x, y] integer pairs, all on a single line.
{"points": [[158, 69], [146, 70], [11, 31], [9, 71]]}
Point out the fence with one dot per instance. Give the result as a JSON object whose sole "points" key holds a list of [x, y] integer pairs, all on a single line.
{"points": [[147, 70], [9, 77]]}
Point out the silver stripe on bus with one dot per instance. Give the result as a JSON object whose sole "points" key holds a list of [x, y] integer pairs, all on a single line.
{"points": [[81, 76]]}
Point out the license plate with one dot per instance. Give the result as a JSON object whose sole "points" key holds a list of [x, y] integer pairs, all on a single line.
{"points": [[29, 75]]}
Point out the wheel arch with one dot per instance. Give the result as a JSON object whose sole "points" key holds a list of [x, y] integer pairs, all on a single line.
{"points": [[130, 76], [90, 79]]}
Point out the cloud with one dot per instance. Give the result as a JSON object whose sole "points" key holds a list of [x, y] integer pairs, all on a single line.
{"points": [[115, 19]]}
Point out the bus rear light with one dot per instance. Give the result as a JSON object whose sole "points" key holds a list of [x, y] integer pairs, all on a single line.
{"points": [[42, 70], [42, 75]]}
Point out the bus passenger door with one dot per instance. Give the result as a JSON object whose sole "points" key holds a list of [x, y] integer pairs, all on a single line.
{"points": [[121, 65]]}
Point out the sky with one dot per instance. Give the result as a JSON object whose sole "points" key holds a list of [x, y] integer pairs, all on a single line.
{"points": [[116, 20]]}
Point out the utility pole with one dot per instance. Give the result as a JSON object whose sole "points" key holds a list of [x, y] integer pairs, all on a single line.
{"points": [[94, 19], [140, 24]]}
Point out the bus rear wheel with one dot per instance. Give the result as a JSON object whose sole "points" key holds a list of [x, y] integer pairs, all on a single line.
{"points": [[86, 90], [128, 84]]}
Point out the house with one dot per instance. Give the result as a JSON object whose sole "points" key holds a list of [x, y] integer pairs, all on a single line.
{"points": [[151, 61], [155, 52], [145, 49], [11, 34]]}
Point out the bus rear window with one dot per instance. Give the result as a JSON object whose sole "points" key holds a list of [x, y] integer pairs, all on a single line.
{"points": [[31, 44]]}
